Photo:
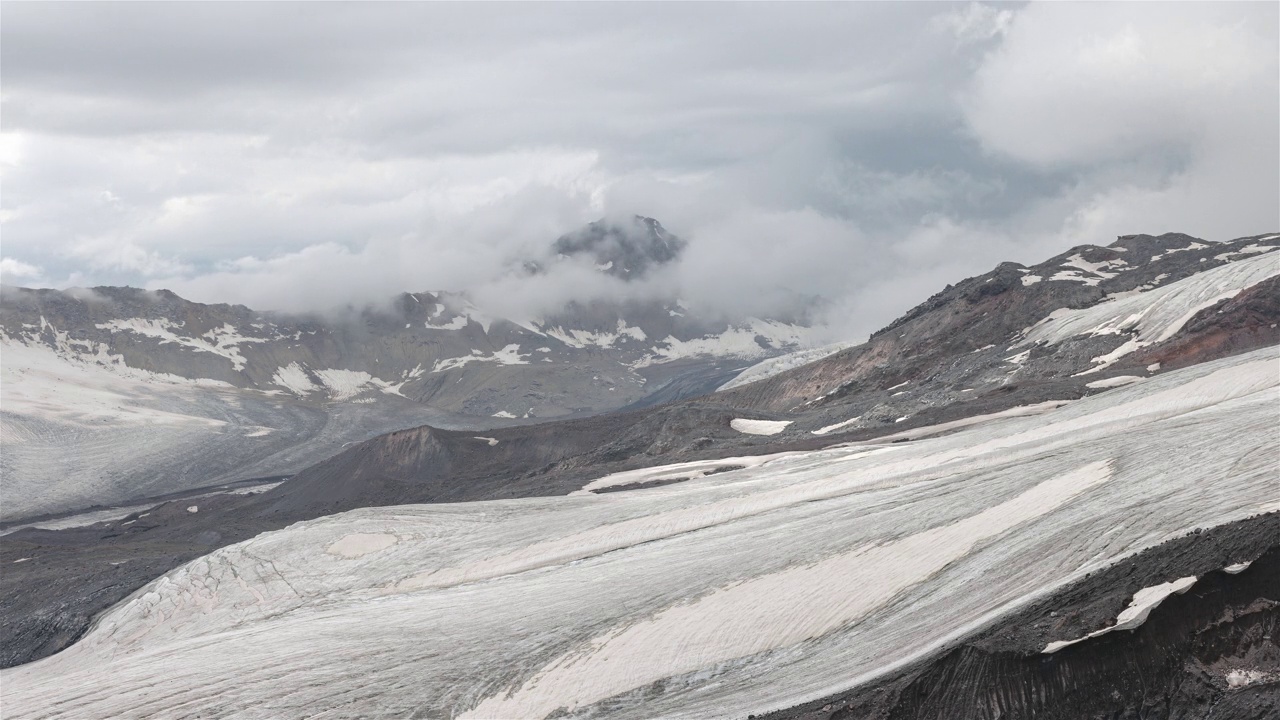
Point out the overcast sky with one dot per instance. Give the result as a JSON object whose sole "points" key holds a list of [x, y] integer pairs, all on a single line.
{"points": [[296, 156]]}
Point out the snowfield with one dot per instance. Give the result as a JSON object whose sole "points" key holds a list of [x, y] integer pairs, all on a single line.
{"points": [[1154, 315], [738, 592]]}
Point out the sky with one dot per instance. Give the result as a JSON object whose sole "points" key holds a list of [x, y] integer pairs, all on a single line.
{"points": [[305, 156]]}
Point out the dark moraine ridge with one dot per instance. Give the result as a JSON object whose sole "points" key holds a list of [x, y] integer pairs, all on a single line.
{"points": [[1172, 666]]}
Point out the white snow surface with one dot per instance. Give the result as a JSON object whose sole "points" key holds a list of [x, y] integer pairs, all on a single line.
{"points": [[1155, 315], [724, 595], [759, 427], [782, 363]]}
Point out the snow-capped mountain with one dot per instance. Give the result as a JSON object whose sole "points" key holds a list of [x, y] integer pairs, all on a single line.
{"points": [[436, 348], [163, 392]]}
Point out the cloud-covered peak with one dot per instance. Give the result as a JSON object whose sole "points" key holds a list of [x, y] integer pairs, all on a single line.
{"points": [[626, 249]]}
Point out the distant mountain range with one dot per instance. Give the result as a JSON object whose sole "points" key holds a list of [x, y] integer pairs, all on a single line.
{"points": [[99, 364]]}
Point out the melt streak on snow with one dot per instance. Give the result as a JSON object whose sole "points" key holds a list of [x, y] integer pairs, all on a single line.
{"points": [[720, 596]]}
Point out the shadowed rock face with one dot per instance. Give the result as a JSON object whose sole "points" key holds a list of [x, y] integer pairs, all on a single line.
{"points": [[1194, 656]]}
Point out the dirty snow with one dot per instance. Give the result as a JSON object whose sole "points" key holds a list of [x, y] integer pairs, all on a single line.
{"points": [[357, 544], [1116, 381]]}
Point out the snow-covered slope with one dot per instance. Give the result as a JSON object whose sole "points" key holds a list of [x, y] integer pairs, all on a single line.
{"points": [[719, 596], [1156, 315], [768, 368]]}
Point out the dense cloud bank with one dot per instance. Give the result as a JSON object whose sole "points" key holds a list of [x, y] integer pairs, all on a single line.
{"points": [[300, 157]]}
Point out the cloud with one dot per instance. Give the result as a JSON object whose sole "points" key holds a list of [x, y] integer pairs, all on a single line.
{"points": [[113, 253], [15, 270], [975, 22], [868, 153], [1167, 119]]}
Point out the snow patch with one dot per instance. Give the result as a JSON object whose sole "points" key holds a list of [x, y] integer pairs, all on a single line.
{"points": [[753, 339], [294, 378], [508, 355], [585, 338], [1143, 602], [759, 427]]}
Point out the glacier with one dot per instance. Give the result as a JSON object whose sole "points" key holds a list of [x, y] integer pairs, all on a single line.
{"points": [[738, 592]]}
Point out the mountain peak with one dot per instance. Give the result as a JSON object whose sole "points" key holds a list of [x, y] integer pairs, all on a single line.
{"points": [[626, 249]]}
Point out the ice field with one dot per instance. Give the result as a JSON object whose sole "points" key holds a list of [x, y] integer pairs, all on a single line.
{"points": [[719, 596]]}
